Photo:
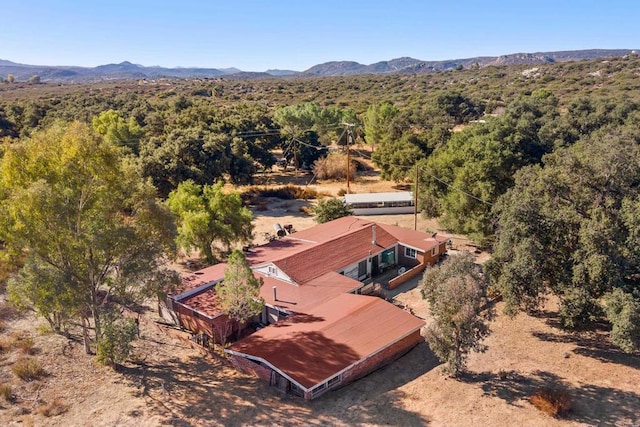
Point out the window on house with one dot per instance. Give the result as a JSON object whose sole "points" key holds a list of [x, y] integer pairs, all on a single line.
{"points": [[297, 391], [410, 252], [335, 380], [319, 389], [273, 270], [434, 251]]}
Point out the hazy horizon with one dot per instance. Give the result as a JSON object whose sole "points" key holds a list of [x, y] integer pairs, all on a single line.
{"points": [[286, 35]]}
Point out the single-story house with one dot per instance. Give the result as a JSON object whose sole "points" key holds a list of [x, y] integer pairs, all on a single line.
{"points": [[319, 332]]}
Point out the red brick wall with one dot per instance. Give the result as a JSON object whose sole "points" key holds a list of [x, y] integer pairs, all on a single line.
{"points": [[382, 358], [252, 368], [397, 281], [198, 324], [432, 259]]}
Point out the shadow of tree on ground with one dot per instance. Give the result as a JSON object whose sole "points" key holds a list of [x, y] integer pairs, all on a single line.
{"points": [[591, 404], [198, 390]]}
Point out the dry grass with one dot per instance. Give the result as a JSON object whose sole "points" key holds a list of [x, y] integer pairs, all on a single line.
{"points": [[552, 401], [25, 344], [6, 344], [28, 369], [54, 408], [6, 392], [334, 166]]}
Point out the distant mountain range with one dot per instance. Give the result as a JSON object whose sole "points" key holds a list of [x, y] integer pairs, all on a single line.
{"points": [[128, 71]]}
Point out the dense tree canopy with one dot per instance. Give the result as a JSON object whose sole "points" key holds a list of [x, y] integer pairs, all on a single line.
{"points": [[89, 224], [206, 144], [570, 227]]}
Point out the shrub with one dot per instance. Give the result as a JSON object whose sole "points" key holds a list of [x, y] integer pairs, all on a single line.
{"points": [[334, 166], [54, 408], [114, 346], [25, 345], [287, 192], [6, 392], [8, 312], [28, 369], [329, 209], [552, 401], [5, 344]]}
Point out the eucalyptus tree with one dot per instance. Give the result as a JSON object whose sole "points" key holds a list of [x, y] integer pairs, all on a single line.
{"points": [[90, 227]]}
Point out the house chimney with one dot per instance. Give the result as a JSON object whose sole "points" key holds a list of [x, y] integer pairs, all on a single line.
{"points": [[275, 293], [373, 235]]}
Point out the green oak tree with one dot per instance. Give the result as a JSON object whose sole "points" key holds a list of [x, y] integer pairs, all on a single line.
{"points": [[455, 291], [570, 227], [209, 219]]}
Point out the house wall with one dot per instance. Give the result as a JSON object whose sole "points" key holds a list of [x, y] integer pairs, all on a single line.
{"points": [[430, 258], [382, 358], [252, 368], [378, 360], [383, 210], [406, 261], [219, 328]]}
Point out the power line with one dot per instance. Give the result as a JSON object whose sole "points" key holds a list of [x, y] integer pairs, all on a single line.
{"points": [[453, 187]]}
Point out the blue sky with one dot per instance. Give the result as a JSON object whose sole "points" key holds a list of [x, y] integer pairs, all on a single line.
{"points": [[257, 35]]}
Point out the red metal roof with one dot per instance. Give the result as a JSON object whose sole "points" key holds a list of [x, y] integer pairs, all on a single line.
{"points": [[335, 254], [316, 345], [289, 296], [199, 278], [277, 249], [315, 292], [205, 302], [332, 229], [413, 238]]}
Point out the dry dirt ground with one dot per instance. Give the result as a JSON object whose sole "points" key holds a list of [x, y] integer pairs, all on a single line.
{"points": [[171, 383]]}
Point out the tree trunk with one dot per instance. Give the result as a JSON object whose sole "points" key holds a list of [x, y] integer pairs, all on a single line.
{"points": [[85, 336]]}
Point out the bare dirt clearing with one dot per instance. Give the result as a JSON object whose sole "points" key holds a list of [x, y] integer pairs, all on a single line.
{"points": [[171, 383]]}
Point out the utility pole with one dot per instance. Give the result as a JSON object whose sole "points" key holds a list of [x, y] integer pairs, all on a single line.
{"points": [[348, 141], [415, 202]]}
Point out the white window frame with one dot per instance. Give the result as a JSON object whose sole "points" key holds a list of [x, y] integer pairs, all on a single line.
{"points": [[410, 252]]}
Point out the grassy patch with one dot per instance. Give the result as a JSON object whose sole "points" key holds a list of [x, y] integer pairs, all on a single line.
{"points": [[28, 369], [6, 392], [53, 408]]}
